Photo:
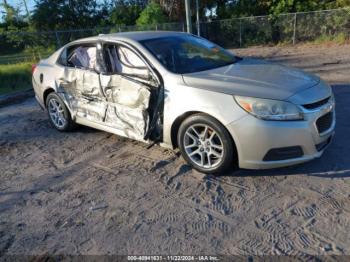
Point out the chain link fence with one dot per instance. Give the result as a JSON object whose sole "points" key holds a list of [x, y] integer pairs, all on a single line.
{"points": [[230, 33], [283, 29], [37, 45]]}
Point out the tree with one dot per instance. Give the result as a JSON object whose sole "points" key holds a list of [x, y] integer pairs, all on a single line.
{"points": [[175, 10], [152, 15], [343, 3], [65, 14], [13, 23], [12, 15], [291, 6], [126, 12], [240, 8]]}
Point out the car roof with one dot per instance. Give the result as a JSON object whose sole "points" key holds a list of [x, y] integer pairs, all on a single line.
{"points": [[134, 36]]}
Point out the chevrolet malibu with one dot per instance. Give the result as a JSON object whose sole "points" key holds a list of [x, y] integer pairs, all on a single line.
{"points": [[182, 91]]}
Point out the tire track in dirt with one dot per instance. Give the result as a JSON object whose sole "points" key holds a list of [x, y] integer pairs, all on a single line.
{"points": [[278, 231], [207, 197], [206, 191], [138, 162], [45, 179], [218, 215], [306, 212]]}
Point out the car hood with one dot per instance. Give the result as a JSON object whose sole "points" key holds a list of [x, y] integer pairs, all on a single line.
{"points": [[254, 78]]}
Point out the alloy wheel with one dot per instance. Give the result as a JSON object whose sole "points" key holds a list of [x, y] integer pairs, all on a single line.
{"points": [[56, 113], [203, 146]]}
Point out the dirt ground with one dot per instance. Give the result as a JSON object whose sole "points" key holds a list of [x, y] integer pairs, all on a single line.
{"points": [[90, 192]]}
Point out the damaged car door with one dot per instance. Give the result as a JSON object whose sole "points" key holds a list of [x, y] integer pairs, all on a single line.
{"points": [[128, 86], [109, 86], [79, 83]]}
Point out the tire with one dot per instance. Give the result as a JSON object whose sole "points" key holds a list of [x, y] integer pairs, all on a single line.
{"points": [[206, 144], [58, 113]]}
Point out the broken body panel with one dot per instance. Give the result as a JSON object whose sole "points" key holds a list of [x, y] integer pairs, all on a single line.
{"points": [[125, 103], [111, 100]]}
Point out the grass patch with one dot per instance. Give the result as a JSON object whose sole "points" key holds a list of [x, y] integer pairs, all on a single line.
{"points": [[339, 39], [15, 77], [27, 55]]}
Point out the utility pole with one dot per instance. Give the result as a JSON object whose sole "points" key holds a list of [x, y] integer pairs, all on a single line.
{"points": [[294, 27], [188, 16], [197, 15], [26, 7]]}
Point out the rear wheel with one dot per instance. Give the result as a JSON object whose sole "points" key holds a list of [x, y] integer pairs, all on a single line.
{"points": [[58, 113], [206, 144]]}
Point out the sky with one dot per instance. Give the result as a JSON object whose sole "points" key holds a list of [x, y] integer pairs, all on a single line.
{"points": [[30, 3], [19, 3]]}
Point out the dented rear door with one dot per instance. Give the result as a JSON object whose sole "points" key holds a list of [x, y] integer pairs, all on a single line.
{"points": [[82, 92]]}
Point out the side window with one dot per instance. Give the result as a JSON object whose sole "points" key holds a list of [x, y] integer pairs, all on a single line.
{"points": [[83, 56], [129, 58], [124, 61], [62, 60]]}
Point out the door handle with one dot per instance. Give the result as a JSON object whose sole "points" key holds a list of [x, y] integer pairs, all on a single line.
{"points": [[89, 98]]}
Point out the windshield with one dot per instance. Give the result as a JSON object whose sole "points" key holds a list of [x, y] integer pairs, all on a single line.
{"points": [[188, 54]]}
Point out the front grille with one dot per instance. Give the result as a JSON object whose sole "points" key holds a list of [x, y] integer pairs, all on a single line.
{"points": [[317, 104], [324, 122]]}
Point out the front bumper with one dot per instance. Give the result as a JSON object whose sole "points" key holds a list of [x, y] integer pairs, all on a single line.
{"points": [[254, 138]]}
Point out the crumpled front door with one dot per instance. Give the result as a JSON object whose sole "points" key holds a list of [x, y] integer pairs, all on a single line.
{"points": [[127, 103], [112, 100]]}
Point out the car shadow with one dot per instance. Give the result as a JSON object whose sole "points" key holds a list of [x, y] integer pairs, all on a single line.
{"points": [[87, 130], [334, 163]]}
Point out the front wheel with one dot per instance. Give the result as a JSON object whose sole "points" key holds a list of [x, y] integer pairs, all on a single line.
{"points": [[58, 113], [205, 144]]}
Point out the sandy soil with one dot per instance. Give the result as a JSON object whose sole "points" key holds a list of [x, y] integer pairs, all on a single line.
{"points": [[90, 192]]}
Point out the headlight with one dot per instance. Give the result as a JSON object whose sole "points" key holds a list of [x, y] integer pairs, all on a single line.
{"points": [[269, 109]]}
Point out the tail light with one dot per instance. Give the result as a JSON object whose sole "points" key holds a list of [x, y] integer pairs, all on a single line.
{"points": [[33, 68]]}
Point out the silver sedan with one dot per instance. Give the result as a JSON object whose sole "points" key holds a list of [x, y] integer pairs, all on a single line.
{"points": [[182, 91]]}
